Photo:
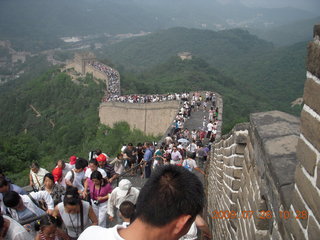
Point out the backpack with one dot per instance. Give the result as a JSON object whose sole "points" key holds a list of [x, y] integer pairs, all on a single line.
{"points": [[187, 166]]}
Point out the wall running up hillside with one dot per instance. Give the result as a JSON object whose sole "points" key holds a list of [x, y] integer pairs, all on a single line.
{"points": [[151, 118], [264, 176]]}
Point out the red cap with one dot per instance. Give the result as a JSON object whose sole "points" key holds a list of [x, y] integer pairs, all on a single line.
{"points": [[57, 174], [101, 158], [73, 160]]}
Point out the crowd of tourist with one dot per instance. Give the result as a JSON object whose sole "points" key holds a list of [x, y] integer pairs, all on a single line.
{"points": [[65, 201], [135, 98], [79, 193], [113, 87]]}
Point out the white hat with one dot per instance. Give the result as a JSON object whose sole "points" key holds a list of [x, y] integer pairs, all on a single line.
{"points": [[124, 186]]}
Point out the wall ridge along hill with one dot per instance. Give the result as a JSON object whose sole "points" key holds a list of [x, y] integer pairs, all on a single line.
{"points": [[263, 178], [152, 118]]}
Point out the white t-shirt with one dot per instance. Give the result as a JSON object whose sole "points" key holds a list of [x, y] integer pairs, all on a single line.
{"points": [[97, 232], [191, 162], [16, 231], [210, 127], [191, 234], [38, 177], [77, 180], [89, 171]]}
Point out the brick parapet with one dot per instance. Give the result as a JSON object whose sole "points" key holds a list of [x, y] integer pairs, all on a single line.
{"points": [[243, 177]]}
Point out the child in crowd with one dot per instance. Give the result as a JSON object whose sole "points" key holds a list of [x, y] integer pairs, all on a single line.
{"points": [[127, 212], [48, 229]]}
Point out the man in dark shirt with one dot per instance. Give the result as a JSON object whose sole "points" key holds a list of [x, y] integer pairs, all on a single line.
{"points": [[130, 154], [107, 167]]}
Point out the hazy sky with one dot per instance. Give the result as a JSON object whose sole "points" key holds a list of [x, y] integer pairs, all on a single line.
{"points": [[313, 5]]}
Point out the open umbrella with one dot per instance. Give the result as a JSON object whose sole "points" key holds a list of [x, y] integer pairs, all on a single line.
{"points": [[183, 140]]}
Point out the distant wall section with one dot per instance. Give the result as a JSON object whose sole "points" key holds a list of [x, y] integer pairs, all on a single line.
{"points": [[151, 118]]}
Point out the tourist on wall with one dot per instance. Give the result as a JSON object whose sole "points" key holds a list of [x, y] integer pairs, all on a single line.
{"points": [[10, 229], [56, 191], [36, 176], [118, 164], [100, 190], [25, 207], [124, 192], [166, 207], [48, 229], [189, 163], [76, 214], [5, 187]]}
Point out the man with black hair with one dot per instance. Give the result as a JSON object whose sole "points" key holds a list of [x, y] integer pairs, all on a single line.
{"points": [[76, 176], [36, 176], [11, 229], [166, 207], [6, 186], [127, 212], [147, 158], [23, 207]]}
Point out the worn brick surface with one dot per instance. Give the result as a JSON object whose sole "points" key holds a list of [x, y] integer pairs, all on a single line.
{"points": [[295, 229], [310, 128], [241, 138], [313, 60], [306, 156], [318, 175], [313, 229], [240, 148], [311, 95], [308, 191], [238, 161], [299, 206]]}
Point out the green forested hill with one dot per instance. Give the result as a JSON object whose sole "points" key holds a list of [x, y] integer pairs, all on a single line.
{"points": [[68, 123], [176, 75], [255, 65], [220, 49]]}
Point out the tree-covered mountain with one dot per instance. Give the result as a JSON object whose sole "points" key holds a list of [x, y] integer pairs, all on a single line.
{"points": [[176, 75], [252, 63], [49, 117], [220, 49]]}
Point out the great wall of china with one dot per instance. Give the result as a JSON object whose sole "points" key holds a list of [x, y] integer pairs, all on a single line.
{"points": [[263, 178]]}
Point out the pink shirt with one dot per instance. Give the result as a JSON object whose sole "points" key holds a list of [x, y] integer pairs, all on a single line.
{"points": [[98, 192]]}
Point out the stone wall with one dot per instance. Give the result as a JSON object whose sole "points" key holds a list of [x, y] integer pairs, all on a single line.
{"points": [[151, 118], [96, 73], [306, 194], [264, 176]]}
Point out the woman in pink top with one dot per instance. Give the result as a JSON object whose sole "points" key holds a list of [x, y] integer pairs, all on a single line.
{"points": [[99, 192]]}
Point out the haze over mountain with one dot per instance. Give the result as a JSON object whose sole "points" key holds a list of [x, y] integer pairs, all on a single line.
{"points": [[44, 22]]}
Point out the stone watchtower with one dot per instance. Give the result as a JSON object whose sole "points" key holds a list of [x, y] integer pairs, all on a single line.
{"points": [[82, 59]]}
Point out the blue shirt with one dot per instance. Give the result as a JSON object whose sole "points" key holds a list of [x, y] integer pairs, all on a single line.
{"points": [[148, 155]]}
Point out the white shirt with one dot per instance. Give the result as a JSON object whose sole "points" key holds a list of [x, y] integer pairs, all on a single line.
{"points": [[192, 147], [28, 203], [16, 231], [97, 232], [191, 234], [176, 155], [210, 127], [89, 171], [77, 180], [115, 200], [191, 162], [37, 178]]}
